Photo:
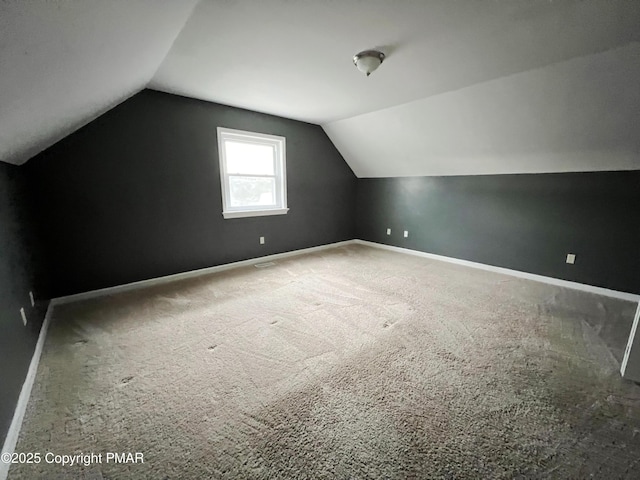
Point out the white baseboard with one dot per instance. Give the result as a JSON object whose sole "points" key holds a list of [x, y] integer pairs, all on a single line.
{"points": [[23, 400], [624, 371], [191, 274], [506, 271], [14, 430], [243, 263], [631, 373]]}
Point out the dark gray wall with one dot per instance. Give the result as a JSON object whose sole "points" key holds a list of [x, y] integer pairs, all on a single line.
{"points": [[136, 194], [18, 260], [523, 222]]}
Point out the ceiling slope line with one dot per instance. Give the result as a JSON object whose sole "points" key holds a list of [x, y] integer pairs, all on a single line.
{"points": [[488, 81], [178, 32]]}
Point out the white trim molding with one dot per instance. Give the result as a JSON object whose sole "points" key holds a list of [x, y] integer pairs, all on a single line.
{"points": [[23, 400], [278, 174], [21, 407], [628, 371], [506, 271], [255, 213], [632, 372], [16, 424], [192, 273], [243, 263]]}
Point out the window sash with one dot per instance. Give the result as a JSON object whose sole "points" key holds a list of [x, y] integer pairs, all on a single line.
{"points": [[279, 177], [272, 189]]}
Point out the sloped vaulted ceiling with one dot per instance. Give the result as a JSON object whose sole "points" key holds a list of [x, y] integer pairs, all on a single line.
{"points": [[578, 115], [468, 87], [65, 62]]}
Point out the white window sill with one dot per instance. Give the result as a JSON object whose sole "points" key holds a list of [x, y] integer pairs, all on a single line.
{"points": [[255, 213]]}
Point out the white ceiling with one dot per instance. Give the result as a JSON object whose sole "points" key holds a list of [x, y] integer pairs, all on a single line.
{"points": [[293, 58], [65, 62], [578, 115], [486, 86]]}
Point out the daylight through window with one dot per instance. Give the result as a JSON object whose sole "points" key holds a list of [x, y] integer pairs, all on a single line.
{"points": [[252, 173]]}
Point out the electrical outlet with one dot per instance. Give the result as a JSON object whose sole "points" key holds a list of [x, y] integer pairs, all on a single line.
{"points": [[571, 258], [406, 233], [261, 240], [24, 317], [388, 231], [33, 302]]}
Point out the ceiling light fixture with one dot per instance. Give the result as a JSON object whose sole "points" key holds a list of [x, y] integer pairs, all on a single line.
{"points": [[368, 60]]}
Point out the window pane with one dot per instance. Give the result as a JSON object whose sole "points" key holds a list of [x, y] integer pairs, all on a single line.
{"points": [[249, 158], [253, 191]]}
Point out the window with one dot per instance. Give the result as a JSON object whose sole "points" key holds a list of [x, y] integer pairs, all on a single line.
{"points": [[252, 173]]}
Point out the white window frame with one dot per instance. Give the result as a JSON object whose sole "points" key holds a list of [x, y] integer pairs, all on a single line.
{"points": [[279, 145]]}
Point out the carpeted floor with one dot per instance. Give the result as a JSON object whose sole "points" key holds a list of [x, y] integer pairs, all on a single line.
{"points": [[351, 363]]}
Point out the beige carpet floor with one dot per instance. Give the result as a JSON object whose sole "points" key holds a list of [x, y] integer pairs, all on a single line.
{"points": [[350, 363]]}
